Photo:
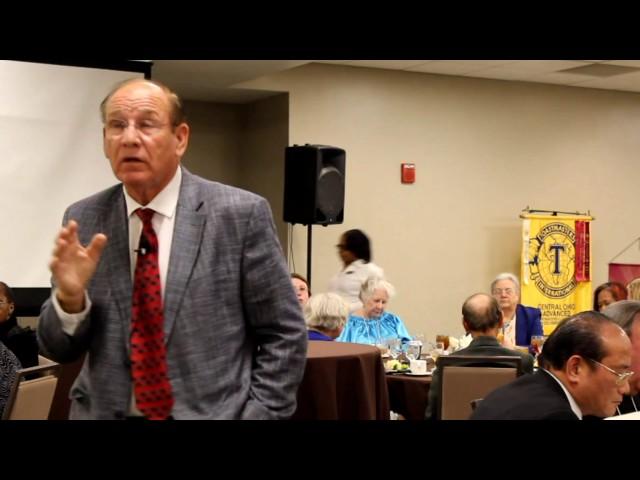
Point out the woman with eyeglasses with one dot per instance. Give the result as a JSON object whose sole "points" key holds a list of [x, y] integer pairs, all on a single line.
{"points": [[354, 249], [519, 323], [21, 341]]}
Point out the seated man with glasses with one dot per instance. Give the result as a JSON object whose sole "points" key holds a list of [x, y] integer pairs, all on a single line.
{"points": [[519, 323], [586, 371]]}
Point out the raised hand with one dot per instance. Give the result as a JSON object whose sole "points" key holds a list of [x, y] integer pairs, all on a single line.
{"points": [[73, 265]]}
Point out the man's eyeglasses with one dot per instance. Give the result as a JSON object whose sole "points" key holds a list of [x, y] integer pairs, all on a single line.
{"points": [[116, 127], [622, 377], [508, 291]]}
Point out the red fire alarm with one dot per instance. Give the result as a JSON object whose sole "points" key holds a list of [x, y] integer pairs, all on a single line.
{"points": [[408, 172]]}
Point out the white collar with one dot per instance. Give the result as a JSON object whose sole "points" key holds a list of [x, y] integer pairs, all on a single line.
{"points": [[164, 202], [572, 403], [354, 265]]}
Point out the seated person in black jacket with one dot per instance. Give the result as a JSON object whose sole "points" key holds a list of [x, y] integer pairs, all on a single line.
{"points": [[482, 318], [585, 372], [21, 341]]}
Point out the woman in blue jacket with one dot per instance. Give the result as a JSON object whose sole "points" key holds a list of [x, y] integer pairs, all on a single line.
{"points": [[519, 323]]}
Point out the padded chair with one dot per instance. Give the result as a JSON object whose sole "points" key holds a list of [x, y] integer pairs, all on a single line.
{"points": [[32, 392], [467, 379]]}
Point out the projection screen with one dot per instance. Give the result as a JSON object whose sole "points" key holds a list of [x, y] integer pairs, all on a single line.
{"points": [[51, 156]]}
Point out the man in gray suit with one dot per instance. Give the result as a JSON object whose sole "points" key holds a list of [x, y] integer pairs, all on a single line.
{"points": [[234, 336]]}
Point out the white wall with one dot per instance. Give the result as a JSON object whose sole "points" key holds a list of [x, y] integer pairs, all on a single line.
{"points": [[50, 156], [484, 150]]}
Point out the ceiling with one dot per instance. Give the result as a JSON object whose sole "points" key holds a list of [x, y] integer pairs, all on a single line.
{"points": [[214, 80]]}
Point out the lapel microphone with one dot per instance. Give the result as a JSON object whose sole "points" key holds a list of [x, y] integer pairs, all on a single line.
{"points": [[143, 248]]}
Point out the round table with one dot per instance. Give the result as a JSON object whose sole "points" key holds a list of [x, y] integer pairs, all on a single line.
{"points": [[342, 381]]}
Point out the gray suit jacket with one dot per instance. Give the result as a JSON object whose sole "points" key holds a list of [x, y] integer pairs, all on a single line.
{"points": [[236, 339]]}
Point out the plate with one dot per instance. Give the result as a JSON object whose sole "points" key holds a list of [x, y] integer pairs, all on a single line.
{"points": [[398, 372], [428, 374]]}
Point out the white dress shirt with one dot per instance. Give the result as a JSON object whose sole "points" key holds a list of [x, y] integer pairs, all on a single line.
{"points": [[163, 221]]}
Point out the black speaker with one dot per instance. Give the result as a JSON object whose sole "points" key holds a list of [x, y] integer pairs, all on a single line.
{"points": [[314, 184]]}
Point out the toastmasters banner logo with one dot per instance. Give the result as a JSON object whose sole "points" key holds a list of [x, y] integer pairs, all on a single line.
{"points": [[555, 266], [552, 264]]}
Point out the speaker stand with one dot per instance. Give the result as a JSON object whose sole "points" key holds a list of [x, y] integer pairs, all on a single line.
{"points": [[309, 255]]}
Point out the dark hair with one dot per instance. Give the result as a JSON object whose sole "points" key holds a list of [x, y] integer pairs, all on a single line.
{"points": [[618, 292], [481, 318], [6, 290], [357, 243], [623, 313], [301, 278], [176, 114], [579, 334]]}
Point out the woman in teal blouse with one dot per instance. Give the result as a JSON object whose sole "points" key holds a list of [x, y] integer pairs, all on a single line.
{"points": [[371, 324]]}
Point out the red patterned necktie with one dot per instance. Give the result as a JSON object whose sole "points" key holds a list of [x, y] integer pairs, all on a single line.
{"points": [[148, 353]]}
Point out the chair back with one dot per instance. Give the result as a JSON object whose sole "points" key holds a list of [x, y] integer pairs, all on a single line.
{"points": [[467, 378], [32, 392]]}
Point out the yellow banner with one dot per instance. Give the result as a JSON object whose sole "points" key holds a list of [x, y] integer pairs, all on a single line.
{"points": [[552, 254]]}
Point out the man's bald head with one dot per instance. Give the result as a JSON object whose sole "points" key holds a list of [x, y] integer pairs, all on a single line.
{"points": [[481, 313]]}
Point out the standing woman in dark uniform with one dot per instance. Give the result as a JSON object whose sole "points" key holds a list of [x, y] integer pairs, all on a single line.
{"points": [[21, 341]]}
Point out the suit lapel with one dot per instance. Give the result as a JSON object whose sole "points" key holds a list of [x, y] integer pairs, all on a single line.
{"points": [[187, 237], [117, 258]]}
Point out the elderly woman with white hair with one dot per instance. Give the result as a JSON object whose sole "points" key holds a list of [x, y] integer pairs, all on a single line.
{"points": [[371, 324], [519, 323], [325, 314]]}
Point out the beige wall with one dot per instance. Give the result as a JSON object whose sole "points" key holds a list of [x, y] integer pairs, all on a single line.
{"points": [[484, 150], [243, 146], [215, 140], [265, 137]]}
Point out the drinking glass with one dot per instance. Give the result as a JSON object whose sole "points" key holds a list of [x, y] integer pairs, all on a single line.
{"points": [[414, 347], [437, 350], [395, 347], [537, 341], [444, 339]]}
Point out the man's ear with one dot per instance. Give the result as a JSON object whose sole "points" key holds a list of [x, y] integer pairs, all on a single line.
{"points": [[182, 136], [574, 368], [465, 325], [104, 142]]}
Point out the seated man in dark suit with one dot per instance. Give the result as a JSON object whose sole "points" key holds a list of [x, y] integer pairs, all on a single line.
{"points": [[586, 372], [482, 318]]}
